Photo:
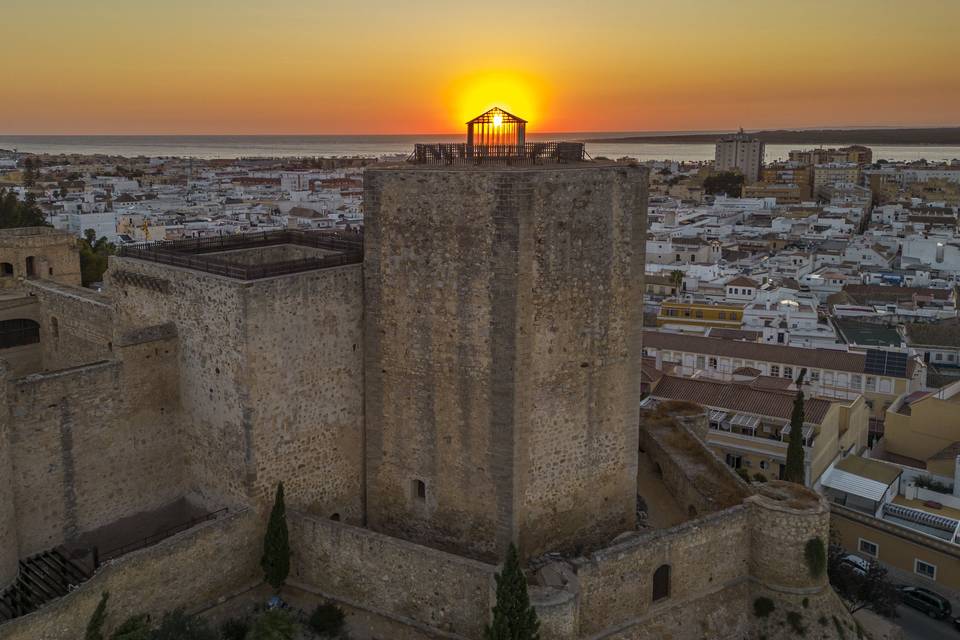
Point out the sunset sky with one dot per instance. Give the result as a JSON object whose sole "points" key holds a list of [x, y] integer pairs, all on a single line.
{"points": [[393, 66]]}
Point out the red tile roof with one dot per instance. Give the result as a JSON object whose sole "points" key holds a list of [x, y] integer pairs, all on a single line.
{"points": [[734, 396], [762, 352]]}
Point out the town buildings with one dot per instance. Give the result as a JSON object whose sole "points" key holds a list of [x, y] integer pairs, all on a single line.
{"points": [[741, 153]]}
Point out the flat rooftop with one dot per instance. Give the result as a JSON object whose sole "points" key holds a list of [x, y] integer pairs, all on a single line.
{"points": [[251, 256]]}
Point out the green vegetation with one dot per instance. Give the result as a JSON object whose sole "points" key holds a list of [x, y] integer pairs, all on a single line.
{"points": [[816, 555], [276, 544], [726, 182], [934, 485], [15, 214], [133, 628], [763, 607], [759, 477], [874, 589], [795, 620], [234, 629], [794, 471], [327, 620], [744, 474], [273, 625], [94, 257], [177, 625], [840, 630], [95, 625], [676, 279], [513, 617]]}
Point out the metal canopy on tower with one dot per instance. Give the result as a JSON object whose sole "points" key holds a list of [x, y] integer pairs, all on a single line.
{"points": [[496, 127]]}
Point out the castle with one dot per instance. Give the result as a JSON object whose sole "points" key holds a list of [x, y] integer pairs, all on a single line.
{"points": [[463, 376]]}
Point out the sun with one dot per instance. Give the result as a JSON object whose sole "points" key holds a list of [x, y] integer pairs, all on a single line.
{"points": [[470, 95]]}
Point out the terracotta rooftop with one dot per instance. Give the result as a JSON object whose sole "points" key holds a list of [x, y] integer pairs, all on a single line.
{"points": [[739, 397], [742, 281], [775, 353]]}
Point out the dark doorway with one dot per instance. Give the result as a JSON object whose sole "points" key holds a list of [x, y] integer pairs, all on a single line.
{"points": [[661, 583]]}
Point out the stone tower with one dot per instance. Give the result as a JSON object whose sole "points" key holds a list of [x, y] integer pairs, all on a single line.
{"points": [[502, 334]]}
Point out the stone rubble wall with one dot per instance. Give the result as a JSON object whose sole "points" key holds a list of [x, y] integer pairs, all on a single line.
{"points": [[391, 577], [193, 569], [76, 325], [9, 546], [93, 444]]}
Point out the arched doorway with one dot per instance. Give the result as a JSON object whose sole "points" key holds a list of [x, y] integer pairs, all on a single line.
{"points": [[661, 582], [31, 266]]}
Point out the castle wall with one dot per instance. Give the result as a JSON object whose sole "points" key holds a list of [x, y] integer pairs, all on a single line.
{"points": [[305, 356], [391, 577], [705, 556], [55, 255], [210, 317], [500, 372], [271, 379], [93, 444], [76, 325], [9, 548], [193, 569]]}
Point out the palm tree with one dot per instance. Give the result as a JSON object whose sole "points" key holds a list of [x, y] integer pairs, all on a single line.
{"points": [[676, 279]]}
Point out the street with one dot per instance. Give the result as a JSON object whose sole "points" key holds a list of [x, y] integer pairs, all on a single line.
{"points": [[919, 626]]}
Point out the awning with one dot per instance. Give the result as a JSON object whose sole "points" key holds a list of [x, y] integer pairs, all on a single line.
{"points": [[743, 420], [807, 430], [855, 485], [718, 416]]}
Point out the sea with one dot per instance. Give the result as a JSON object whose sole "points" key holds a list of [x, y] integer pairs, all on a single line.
{"points": [[373, 146]]}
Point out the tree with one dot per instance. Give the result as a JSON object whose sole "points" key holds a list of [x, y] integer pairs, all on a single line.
{"points": [[133, 628], [794, 471], [858, 589], [513, 617], [276, 544], [676, 279], [327, 620], [273, 625], [14, 213], [94, 257], [177, 625], [95, 625], [30, 172], [726, 182]]}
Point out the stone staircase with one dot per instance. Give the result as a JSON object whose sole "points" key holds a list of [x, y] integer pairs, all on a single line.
{"points": [[42, 578]]}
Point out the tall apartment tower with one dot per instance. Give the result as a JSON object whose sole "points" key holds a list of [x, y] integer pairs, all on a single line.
{"points": [[503, 321], [741, 153]]}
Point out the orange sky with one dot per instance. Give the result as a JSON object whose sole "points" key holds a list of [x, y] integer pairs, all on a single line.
{"points": [[389, 66]]}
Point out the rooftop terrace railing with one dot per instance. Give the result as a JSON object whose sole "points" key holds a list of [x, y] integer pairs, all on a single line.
{"points": [[507, 154], [194, 253]]}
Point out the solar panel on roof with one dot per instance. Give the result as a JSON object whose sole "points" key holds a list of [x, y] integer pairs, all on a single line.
{"points": [[896, 364], [875, 361], [885, 363]]}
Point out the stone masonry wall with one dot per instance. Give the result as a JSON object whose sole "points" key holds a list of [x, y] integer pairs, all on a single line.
{"points": [[271, 379], [704, 556], [500, 335], [209, 315], [93, 444], [9, 548], [190, 570], [76, 325], [305, 357], [391, 576], [55, 255]]}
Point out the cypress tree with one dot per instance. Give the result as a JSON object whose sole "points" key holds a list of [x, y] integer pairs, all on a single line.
{"points": [[794, 471], [95, 625], [513, 617], [276, 544]]}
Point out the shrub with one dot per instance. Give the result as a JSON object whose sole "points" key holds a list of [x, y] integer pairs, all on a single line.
{"points": [[273, 625], [327, 620], [759, 477], [763, 607], [133, 628], [934, 485], [177, 625], [744, 474], [795, 620], [816, 555], [234, 629]]}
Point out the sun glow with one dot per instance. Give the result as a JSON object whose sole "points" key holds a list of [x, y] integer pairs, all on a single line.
{"points": [[516, 93], [497, 120]]}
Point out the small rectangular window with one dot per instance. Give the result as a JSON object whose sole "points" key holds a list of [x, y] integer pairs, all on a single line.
{"points": [[775, 370], [868, 548], [420, 489], [788, 372], [925, 569]]}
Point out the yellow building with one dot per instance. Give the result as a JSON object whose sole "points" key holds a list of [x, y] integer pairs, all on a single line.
{"points": [[750, 423], [699, 314], [925, 426], [785, 193]]}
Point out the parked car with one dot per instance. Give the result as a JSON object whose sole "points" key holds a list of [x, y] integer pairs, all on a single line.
{"points": [[856, 564], [930, 603]]}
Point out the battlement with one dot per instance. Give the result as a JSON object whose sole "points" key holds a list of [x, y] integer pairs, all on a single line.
{"points": [[252, 256]]}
